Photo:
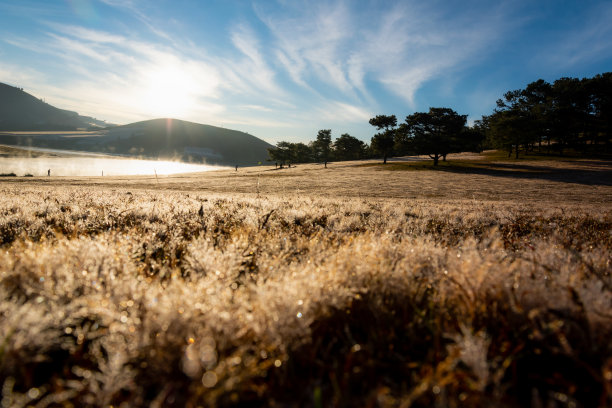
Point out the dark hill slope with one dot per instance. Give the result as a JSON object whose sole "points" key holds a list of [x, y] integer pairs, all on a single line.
{"points": [[156, 139], [21, 111], [187, 140]]}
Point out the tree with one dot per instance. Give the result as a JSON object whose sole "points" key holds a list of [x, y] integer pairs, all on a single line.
{"points": [[347, 147], [322, 146], [402, 144], [470, 139], [512, 123], [437, 132], [287, 152], [537, 97], [600, 91], [281, 153], [301, 153], [384, 141], [571, 112]]}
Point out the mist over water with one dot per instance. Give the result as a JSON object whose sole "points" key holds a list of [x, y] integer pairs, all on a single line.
{"points": [[96, 166]]}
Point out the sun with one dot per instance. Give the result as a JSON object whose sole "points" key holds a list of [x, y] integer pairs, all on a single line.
{"points": [[168, 92]]}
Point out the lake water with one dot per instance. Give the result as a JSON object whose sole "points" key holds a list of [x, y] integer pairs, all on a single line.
{"points": [[96, 165]]}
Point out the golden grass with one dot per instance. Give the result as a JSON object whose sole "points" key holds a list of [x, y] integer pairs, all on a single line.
{"points": [[349, 286], [577, 181]]}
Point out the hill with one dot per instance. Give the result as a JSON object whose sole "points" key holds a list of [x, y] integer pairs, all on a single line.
{"points": [[21, 111], [173, 138], [155, 139]]}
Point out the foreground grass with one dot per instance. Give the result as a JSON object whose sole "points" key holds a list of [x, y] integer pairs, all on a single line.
{"points": [[139, 297]]}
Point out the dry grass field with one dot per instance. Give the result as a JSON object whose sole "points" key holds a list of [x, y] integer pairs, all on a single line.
{"points": [[358, 285]]}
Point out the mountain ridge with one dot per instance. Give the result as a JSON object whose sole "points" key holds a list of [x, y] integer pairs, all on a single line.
{"points": [[163, 138], [21, 111]]}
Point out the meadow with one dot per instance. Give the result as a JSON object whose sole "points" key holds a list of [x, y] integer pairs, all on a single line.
{"points": [[485, 284]]}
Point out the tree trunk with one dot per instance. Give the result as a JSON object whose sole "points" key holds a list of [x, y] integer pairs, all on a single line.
{"points": [[444, 157], [436, 158], [517, 151], [385, 159]]}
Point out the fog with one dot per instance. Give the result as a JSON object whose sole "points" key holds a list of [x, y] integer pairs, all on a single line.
{"points": [[95, 166]]}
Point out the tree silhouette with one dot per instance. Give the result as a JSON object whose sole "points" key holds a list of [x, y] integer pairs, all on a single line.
{"points": [[347, 147], [384, 141], [322, 146], [437, 132], [287, 152], [571, 112], [281, 153]]}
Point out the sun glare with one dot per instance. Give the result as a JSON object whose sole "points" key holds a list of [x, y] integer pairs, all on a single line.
{"points": [[168, 92]]}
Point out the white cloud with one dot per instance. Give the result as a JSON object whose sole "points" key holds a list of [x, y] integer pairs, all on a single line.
{"points": [[86, 34], [254, 70], [76, 48], [344, 112], [312, 42], [19, 76], [325, 60], [400, 47]]}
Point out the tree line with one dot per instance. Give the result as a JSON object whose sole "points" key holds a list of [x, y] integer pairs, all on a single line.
{"points": [[322, 149], [435, 133], [570, 113]]}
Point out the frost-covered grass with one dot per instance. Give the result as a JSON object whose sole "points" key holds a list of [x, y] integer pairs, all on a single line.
{"points": [[146, 297]]}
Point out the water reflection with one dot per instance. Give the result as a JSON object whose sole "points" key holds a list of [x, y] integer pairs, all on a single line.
{"points": [[95, 166]]}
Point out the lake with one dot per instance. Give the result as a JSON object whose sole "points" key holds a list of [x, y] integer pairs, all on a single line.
{"points": [[96, 165]]}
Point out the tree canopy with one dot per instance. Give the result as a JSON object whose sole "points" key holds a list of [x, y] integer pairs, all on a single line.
{"points": [[437, 132], [570, 112], [323, 145], [347, 147], [383, 142]]}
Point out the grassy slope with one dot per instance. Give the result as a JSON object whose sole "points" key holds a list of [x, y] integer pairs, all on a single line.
{"points": [[22, 111], [158, 138], [309, 287], [169, 137]]}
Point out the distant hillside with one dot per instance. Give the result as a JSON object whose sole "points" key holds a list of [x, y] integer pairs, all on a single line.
{"points": [[21, 111], [188, 141], [157, 138]]}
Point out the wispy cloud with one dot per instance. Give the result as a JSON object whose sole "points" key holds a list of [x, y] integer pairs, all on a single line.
{"points": [[253, 68], [310, 45], [344, 112], [275, 66], [19, 76], [125, 78], [400, 47]]}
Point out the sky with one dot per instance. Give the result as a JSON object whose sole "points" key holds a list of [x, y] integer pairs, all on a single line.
{"points": [[282, 70]]}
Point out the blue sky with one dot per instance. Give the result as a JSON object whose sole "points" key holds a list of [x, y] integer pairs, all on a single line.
{"points": [[282, 70]]}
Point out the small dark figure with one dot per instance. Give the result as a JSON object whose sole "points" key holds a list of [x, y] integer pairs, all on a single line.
{"points": [[276, 165], [236, 167], [49, 173]]}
